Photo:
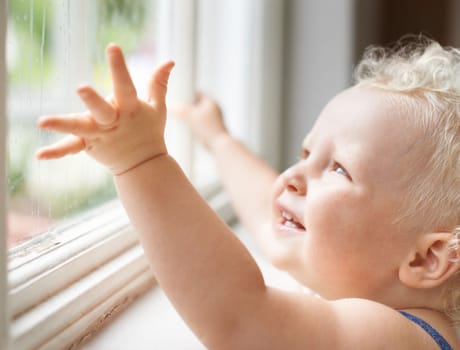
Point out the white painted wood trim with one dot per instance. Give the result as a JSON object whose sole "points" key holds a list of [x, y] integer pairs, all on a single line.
{"points": [[97, 318], [80, 307], [266, 83], [68, 254], [177, 41], [50, 318]]}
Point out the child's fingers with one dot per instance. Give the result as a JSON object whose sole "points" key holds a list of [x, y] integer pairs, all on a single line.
{"points": [[69, 145], [123, 87], [159, 83], [102, 111], [77, 124]]}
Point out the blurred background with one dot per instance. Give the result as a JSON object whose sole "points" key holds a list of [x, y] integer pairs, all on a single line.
{"points": [[325, 39]]}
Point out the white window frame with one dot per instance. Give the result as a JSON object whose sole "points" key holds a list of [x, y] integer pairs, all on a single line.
{"points": [[4, 313], [57, 297]]}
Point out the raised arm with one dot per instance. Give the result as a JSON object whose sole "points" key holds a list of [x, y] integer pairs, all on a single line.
{"points": [[201, 265], [247, 178]]}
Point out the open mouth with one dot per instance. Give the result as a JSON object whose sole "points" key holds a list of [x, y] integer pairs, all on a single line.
{"points": [[287, 220]]}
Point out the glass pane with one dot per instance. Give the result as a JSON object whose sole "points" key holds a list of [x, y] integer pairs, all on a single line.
{"points": [[52, 47]]}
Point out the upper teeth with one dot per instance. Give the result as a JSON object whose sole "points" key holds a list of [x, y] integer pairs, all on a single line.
{"points": [[290, 224], [287, 216]]}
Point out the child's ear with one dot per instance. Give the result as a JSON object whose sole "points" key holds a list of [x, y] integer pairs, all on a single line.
{"points": [[431, 261]]}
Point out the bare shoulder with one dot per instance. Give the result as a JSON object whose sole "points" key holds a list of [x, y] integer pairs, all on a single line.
{"points": [[377, 326], [440, 322], [300, 321]]}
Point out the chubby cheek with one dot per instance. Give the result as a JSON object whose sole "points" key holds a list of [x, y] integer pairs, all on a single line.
{"points": [[335, 213], [337, 227]]}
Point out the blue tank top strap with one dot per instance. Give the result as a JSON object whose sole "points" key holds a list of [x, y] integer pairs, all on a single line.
{"points": [[438, 338]]}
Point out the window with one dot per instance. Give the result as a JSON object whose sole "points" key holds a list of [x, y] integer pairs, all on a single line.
{"points": [[52, 46], [4, 314], [83, 262]]}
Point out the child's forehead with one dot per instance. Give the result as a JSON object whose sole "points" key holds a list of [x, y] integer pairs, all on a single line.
{"points": [[371, 121], [364, 107]]}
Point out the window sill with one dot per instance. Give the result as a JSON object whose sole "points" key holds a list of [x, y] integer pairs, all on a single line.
{"points": [[151, 322], [52, 309]]}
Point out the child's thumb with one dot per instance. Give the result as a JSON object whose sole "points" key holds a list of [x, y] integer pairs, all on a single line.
{"points": [[159, 83]]}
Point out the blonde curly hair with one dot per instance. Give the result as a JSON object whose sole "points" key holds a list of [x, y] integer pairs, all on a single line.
{"points": [[427, 78]]}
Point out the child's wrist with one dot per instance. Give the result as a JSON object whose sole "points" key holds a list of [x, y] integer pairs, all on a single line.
{"points": [[219, 141], [129, 158], [116, 171]]}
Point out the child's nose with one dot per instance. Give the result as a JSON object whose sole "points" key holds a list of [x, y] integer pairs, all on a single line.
{"points": [[295, 182]]}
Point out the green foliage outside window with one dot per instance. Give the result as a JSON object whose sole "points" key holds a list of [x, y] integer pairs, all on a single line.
{"points": [[30, 65]]}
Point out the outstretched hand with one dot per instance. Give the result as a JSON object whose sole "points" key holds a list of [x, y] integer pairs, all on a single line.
{"points": [[204, 118], [120, 132]]}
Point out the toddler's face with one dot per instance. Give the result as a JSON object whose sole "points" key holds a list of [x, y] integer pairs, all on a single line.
{"points": [[335, 210]]}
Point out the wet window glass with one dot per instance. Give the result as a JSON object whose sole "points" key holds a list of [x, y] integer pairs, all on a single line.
{"points": [[52, 47]]}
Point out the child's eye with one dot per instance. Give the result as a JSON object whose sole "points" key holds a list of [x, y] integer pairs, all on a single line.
{"points": [[339, 169]]}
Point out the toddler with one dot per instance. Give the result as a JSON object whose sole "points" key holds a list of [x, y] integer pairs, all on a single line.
{"points": [[368, 217]]}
